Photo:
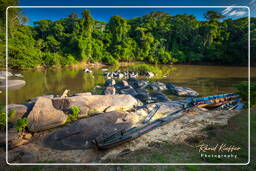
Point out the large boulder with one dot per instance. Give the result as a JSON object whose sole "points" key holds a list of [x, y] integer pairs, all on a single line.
{"points": [[79, 134], [96, 103], [128, 90], [181, 91], [44, 116], [157, 86], [135, 83]]}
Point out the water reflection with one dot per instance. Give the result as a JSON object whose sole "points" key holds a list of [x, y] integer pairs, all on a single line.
{"points": [[207, 80]]}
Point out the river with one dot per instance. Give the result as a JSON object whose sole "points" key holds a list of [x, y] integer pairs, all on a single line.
{"points": [[207, 80]]}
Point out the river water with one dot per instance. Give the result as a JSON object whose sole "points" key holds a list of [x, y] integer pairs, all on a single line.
{"points": [[207, 80]]}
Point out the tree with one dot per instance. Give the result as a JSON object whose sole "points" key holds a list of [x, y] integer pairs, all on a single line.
{"points": [[213, 15]]}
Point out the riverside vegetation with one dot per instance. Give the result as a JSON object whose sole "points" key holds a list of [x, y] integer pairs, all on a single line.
{"points": [[157, 37]]}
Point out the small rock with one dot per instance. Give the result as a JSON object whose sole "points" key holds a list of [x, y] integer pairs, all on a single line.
{"points": [[4, 73], [18, 75], [87, 70], [149, 74], [157, 86]]}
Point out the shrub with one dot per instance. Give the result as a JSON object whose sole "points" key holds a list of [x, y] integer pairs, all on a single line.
{"points": [[2, 121], [243, 92], [146, 67], [2, 118], [12, 114], [21, 124], [109, 59], [73, 115]]}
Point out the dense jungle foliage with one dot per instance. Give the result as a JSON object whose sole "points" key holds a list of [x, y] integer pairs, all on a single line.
{"points": [[157, 37]]}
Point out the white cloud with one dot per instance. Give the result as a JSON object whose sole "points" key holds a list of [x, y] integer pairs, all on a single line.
{"points": [[237, 13], [227, 10]]}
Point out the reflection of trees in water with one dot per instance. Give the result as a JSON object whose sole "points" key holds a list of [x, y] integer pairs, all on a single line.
{"points": [[55, 81]]}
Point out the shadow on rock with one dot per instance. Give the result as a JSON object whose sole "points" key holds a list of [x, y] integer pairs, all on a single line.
{"points": [[79, 134]]}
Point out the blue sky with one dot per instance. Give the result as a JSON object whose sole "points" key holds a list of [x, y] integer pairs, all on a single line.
{"points": [[36, 14]]}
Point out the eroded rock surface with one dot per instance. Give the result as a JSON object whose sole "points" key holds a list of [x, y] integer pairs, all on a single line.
{"points": [[96, 103], [44, 116]]}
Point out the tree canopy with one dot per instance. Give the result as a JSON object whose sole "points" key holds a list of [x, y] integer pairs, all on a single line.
{"points": [[157, 37]]}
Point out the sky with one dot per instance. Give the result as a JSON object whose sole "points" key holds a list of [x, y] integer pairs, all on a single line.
{"points": [[103, 14]]}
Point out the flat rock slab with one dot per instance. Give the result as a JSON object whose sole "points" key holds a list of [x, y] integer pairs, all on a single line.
{"points": [[181, 91], [12, 84], [79, 134], [44, 116]]}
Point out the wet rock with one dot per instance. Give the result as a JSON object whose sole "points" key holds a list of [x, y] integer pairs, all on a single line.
{"points": [[157, 86], [12, 84], [124, 83], [87, 70], [44, 116], [181, 91], [79, 134], [137, 83], [128, 90], [143, 95], [110, 82], [159, 97], [119, 74], [121, 85], [110, 90]]}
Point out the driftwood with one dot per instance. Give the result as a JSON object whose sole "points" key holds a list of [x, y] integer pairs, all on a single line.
{"points": [[65, 94]]}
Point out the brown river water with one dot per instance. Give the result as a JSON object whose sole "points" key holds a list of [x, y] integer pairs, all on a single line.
{"points": [[207, 80]]}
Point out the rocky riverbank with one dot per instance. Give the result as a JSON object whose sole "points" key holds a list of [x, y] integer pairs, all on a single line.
{"points": [[121, 105]]}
